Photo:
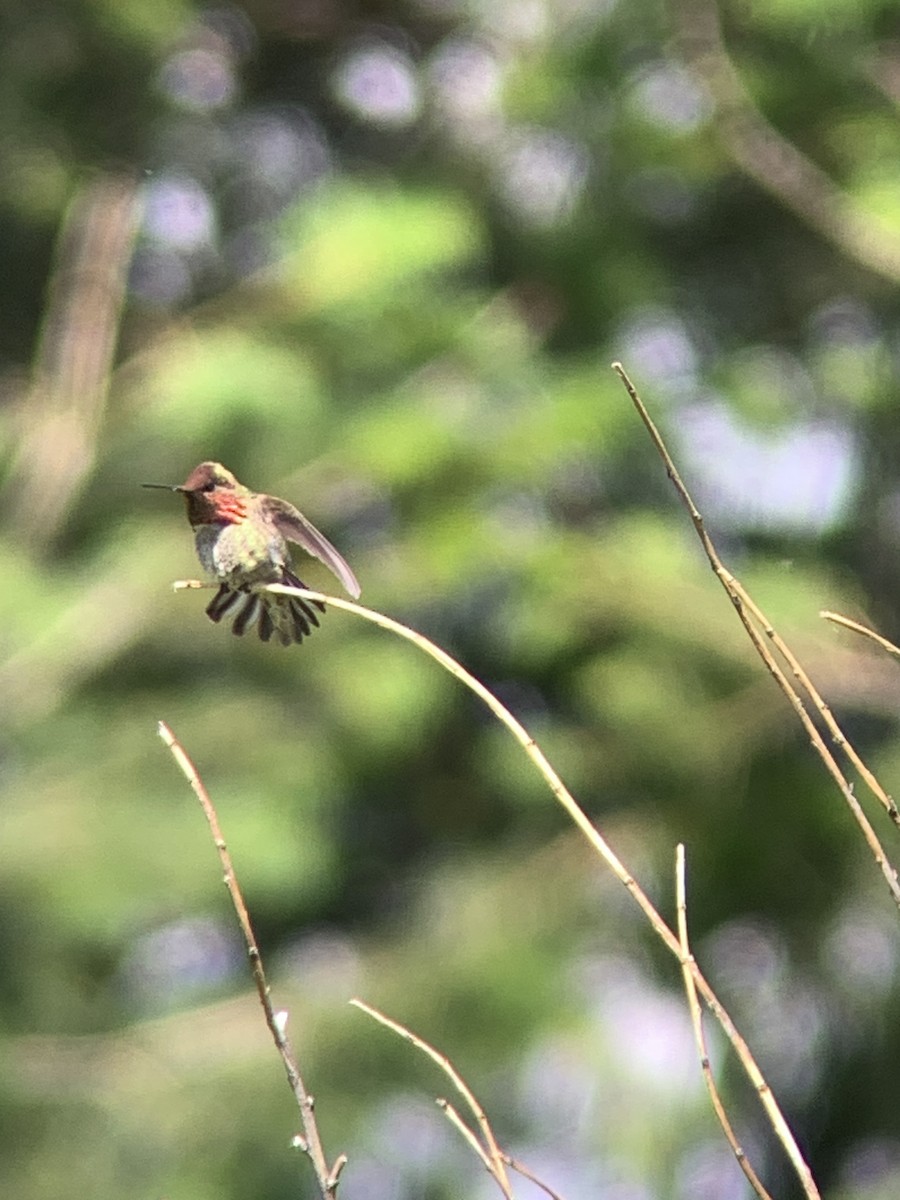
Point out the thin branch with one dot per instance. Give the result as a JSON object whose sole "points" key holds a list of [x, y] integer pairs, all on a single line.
{"points": [[597, 842], [513, 1163], [742, 604], [697, 1021], [601, 847], [468, 1134], [863, 629], [837, 734], [522, 1170], [495, 1163], [310, 1142]]}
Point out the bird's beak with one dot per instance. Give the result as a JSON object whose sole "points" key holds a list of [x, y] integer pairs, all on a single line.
{"points": [[166, 487]]}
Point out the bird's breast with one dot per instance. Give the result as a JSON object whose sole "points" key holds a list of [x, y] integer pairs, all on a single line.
{"points": [[207, 541], [241, 553]]}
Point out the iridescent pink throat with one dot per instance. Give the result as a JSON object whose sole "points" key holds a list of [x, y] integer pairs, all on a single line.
{"points": [[217, 508]]}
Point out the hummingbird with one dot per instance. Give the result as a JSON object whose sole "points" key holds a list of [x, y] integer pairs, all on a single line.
{"points": [[242, 539]]}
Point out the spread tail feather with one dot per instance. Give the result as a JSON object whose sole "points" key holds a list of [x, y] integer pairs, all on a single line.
{"points": [[224, 599], [290, 618]]}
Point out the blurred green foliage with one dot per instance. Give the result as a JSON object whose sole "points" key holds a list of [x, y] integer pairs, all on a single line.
{"points": [[381, 269]]}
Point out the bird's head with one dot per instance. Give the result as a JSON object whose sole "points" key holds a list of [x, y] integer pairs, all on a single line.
{"points": [[212, 494]]}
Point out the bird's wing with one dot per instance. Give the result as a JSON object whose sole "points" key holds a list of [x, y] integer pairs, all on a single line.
{"points": [[295, 527]]}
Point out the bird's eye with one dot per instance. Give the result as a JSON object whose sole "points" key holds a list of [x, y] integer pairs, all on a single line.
{"points": [[209, 487]]}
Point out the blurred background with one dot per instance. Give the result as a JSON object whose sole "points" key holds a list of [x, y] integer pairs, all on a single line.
{"points": [[377, 258]]}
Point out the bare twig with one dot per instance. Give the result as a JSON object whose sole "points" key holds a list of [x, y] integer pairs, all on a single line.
{"points": [[513, 1163], [837, 734], [310, 1142], [522, 1170], [743, 604], [492, 1158], [602, 848], [598, 843], [468, 1134], [883, 642], [192, 585], [697, 1021]]}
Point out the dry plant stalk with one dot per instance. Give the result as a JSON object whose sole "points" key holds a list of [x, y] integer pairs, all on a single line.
{"points": [[856, 627], [699, 1037], [599, 844], [492, 1157], [522, 1170], [837, 734], [489, 1153], [748, 612], [310, 1142]]}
